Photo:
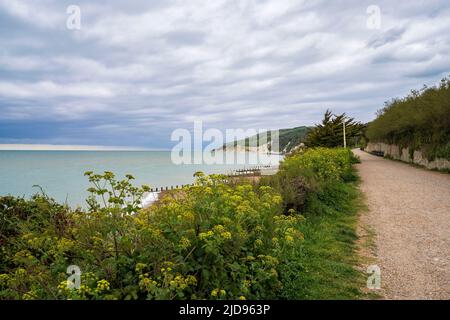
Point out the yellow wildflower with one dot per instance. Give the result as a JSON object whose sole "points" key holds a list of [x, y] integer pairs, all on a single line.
{"points": [[214, 292], [184, 243], [226, 235], [140, 267], [102, 285], [289, 239]]}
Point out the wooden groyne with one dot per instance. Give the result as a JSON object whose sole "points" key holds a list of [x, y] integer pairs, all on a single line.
{"points": [[245, 172]]}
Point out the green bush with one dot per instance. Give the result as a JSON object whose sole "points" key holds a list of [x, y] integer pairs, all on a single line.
{"points": [[315, 182], [212, 240], [325, 164], [420, 121], [207, 241], [308, 172]]}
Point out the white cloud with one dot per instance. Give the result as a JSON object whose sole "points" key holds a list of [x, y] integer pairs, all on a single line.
{"points": [[149, 65], [41, 14], [48, 89], [21, 63]]}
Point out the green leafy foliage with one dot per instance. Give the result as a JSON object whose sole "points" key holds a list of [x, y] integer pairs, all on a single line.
{"points": [[113, 194], [325, 267], [320, 183], [330, 133], [420, 121], [308, 171], [207, 241], [212, 240]]}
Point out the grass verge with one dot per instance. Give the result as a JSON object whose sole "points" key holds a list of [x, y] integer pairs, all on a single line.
{"points": [[325, 267]]}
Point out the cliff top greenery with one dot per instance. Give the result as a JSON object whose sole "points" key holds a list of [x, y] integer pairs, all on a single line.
{"points": [[288, 139], [421, 120]]}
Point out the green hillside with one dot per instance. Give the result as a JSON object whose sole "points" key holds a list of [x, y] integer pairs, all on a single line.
{"points": [[288, 139]]}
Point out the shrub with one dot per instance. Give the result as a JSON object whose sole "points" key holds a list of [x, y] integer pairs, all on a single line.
{"points": [[324, 164], [207, 241], [420, 121], [322, 267], [308, 172], [212, 240]]}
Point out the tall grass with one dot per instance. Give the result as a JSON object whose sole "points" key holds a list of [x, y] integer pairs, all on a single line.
{"points": [[323, 267]]}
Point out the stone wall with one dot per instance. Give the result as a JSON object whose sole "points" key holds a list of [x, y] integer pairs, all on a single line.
{"points": [[393, 151]]}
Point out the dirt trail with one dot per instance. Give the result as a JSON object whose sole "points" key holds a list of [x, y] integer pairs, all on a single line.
{"points": [[409, 211]]}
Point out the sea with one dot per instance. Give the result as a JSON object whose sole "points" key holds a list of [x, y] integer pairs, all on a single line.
{"points": [[60, 174]]}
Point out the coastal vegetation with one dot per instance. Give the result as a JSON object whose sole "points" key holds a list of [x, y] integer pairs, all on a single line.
{"points": [[288, 236], [330, 133], [420, 121], [322, 184]]}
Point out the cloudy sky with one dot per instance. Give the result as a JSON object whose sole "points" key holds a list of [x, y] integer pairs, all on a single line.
{"points": [[136, 70]]}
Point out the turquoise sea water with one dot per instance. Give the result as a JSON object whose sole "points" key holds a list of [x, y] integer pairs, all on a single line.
{"points": [[60, 173]]}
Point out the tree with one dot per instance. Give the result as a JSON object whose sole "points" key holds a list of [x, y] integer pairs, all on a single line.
{"points": [[330, 132]]}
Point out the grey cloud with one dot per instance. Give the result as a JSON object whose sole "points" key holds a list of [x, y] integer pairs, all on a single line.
{"points": [[190, 38], [389, 36], [135, 71]]}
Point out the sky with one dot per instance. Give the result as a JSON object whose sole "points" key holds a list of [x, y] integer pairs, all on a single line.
{"points": [[137, 70]]}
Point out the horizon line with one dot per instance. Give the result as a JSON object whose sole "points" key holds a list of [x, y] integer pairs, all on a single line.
{"points": [[68, 147]]}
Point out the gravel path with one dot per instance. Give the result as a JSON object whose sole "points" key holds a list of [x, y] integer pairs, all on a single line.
{"points": [[409, 211]]}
